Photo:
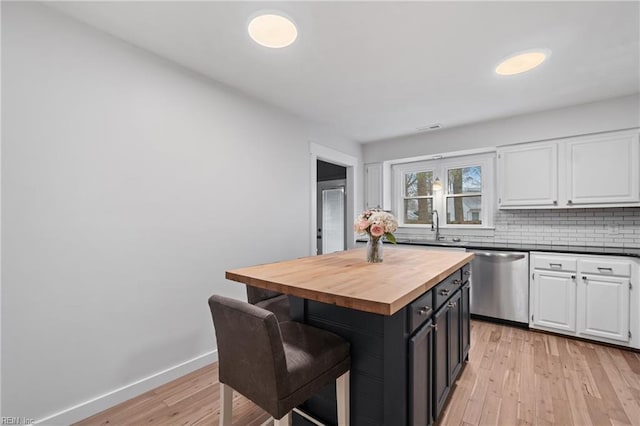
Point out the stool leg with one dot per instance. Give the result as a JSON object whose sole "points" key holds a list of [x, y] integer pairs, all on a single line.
{"points": [[226, 399], [342, 394], [284, 421]]}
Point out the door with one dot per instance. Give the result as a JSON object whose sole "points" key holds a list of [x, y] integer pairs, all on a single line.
{"points": [[603, 169], [441, 377], [554, 300], [331, 216], [455, 336], [420, 375], [373, 186], [603, 306], [528, 176], [466, 320]]}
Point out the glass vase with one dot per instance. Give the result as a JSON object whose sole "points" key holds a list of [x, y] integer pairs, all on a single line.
{"points": [[374, 250]]}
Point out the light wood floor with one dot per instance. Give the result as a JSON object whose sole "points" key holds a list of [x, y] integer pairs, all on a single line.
{"points": [[513, 377]]}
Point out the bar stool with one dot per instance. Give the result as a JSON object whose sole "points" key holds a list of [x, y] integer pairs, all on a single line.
{"points": [[278, 366], [275, 302]]}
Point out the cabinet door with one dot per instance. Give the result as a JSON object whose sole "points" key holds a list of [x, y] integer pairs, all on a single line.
{"points": [[603, 307], [528, 175], [373, 186], [441, 359], [466, 320], [455, 336], [603, 169], [420, 375], [554, 300]]}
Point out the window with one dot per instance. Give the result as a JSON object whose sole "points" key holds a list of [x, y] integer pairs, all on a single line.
{"points": [[464, 195], [464, 202], [418, 197]]}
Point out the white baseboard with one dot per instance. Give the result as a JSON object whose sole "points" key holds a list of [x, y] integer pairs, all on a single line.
{"points": [[93, 406]]}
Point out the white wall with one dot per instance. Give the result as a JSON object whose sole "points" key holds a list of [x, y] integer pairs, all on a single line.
{"points": [[612, 114], [129, 185]]}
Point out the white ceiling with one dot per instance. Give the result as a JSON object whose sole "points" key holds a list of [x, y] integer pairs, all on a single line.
{"points": [[375, 70]]}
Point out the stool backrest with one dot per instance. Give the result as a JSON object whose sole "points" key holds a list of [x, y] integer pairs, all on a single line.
{"points": [[251, 356], [255, 294]]}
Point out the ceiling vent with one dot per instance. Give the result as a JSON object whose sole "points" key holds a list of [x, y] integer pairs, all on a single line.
{"points": [[434, 126]]}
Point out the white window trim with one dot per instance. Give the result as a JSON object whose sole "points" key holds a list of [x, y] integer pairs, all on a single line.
{"points": [[440, 167]]}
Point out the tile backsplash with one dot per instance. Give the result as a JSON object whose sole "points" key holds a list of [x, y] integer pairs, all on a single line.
{"points": [[610, 227]]}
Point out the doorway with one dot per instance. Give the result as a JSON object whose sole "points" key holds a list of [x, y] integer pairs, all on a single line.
{"points": [[331, 207], [350, 163]]}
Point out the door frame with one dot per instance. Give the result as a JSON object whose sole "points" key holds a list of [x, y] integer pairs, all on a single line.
{"points": [[320, 152]]}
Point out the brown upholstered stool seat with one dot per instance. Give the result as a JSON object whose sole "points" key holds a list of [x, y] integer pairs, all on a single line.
{"points": [[276, 365], [275, 302]]}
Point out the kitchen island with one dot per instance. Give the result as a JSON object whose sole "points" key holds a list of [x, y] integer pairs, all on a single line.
{"points": [[407, 320]]}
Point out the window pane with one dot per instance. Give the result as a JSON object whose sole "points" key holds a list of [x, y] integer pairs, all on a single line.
{"points": [[464, 210], [418, 210], [332, 220], [418, 184], [465, 180]]}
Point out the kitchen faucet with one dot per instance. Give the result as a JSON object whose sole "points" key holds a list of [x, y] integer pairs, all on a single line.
{"points": [[437, 228]]}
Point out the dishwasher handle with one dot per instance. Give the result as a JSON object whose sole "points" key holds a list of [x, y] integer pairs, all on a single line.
{"points": [[508, 256]]}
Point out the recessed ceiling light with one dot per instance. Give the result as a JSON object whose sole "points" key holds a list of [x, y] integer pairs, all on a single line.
{"points": [[522, 62], [272, 31]]}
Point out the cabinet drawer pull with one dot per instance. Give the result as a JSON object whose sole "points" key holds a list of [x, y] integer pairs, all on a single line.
{"points": [[452, 304], [573, 277], [445, 292], [434, 326], [602, 269], [467, 272], [424, 310], [555, 265], [584, 278], [457, 282]]}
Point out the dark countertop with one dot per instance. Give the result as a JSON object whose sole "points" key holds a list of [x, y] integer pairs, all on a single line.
{"points": [[474, 245]]}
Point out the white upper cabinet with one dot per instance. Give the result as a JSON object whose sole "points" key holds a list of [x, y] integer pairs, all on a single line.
{"points": [[373, 186], [586, 171], [603, 169], [528, 175]]}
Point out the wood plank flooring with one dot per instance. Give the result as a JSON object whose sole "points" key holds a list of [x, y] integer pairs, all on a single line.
{"points": [[514, 377]]}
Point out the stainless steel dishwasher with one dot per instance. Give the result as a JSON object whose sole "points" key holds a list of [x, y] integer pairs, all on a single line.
{"points": [[500, 285]]}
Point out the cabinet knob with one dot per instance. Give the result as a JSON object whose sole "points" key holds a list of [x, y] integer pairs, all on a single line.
{"points": [[569, 202], [445, 292], [467, 272], [584, 278], [555, 202], [573, 277], [452, 304], [434, 326], [457, 282], [424, 310]]}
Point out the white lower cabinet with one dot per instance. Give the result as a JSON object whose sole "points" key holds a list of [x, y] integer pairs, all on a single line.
{"points": [[586, 296], [556, 296], [605, 303]]}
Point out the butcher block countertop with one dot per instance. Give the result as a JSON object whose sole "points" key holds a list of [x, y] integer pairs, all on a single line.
{"points": [[346, 279]]}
